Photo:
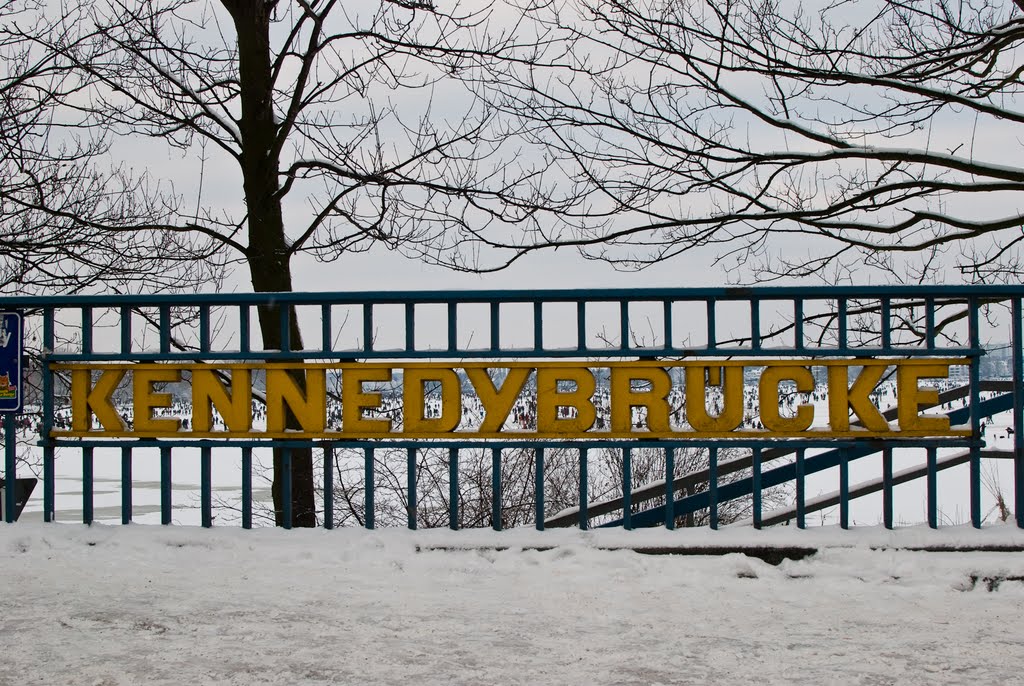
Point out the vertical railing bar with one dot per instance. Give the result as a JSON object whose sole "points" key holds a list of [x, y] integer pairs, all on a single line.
{"points": [[581, 325], [453, 489], [410, 474], [584, 517], [87, 482], [929, 322], [410, 327], [1018, 410], [246, 488], [328, 487], [670, 491], [975, 381], [538, 325], [496, 489], [165, 486], [206, 487], [798, 324], [801, 490], [495, 316], [367, 327], [538, 488], [126, 485], [204, 328], [627, 489], [755, 485], [712, 333], [86, 329], [244, 341], [284, 320], [624, 328], [11, 467], [887, 488], [886, 315], [368, 478], [841, 315], [286, 487], [933, 488], [326, 338], [713, 486], [755, 324], [49, 478], [126, 329], [844, 489], [667, 325], [453, 326], [165, 328]]}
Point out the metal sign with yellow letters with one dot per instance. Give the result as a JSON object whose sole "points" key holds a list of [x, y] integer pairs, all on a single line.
{"points": [[670, 397]]}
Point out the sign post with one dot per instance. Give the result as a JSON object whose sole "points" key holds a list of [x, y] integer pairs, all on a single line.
{"points": [[11, 394]]}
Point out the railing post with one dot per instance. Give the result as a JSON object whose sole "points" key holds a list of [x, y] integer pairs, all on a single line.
{"points": [[87, 485], [126, 485], [887, 508], [932, 486], [206, 487], [246, 488], [10, 467], [713, 486], [165, 486], [801, 490], [328, 487], [584, 518], [496, 489], [410, 474], [453, 489], [975, 381], [755, 485], [538, 487], [627, 489], [368, 478], [844, 489], [286, 485], [49, 478], [1018, 411], [670, 500]]}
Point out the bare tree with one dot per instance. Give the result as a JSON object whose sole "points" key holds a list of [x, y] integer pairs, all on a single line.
{"points": [[789, 140], [315, 128], [52, 175]]}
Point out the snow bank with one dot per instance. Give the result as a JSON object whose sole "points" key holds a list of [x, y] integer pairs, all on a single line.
{"points": [[170, 605]]}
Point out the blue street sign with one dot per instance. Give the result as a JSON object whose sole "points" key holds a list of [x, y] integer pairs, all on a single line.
{"points": [[10, 362]]}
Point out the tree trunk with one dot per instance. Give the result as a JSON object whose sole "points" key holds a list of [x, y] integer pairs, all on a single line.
{"points": [[267, 255]]}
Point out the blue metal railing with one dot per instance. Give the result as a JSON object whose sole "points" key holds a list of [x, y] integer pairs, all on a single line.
{"points": [[907, 325]]}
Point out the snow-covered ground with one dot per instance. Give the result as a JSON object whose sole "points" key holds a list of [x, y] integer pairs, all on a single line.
{"points": [[111, 605]]}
